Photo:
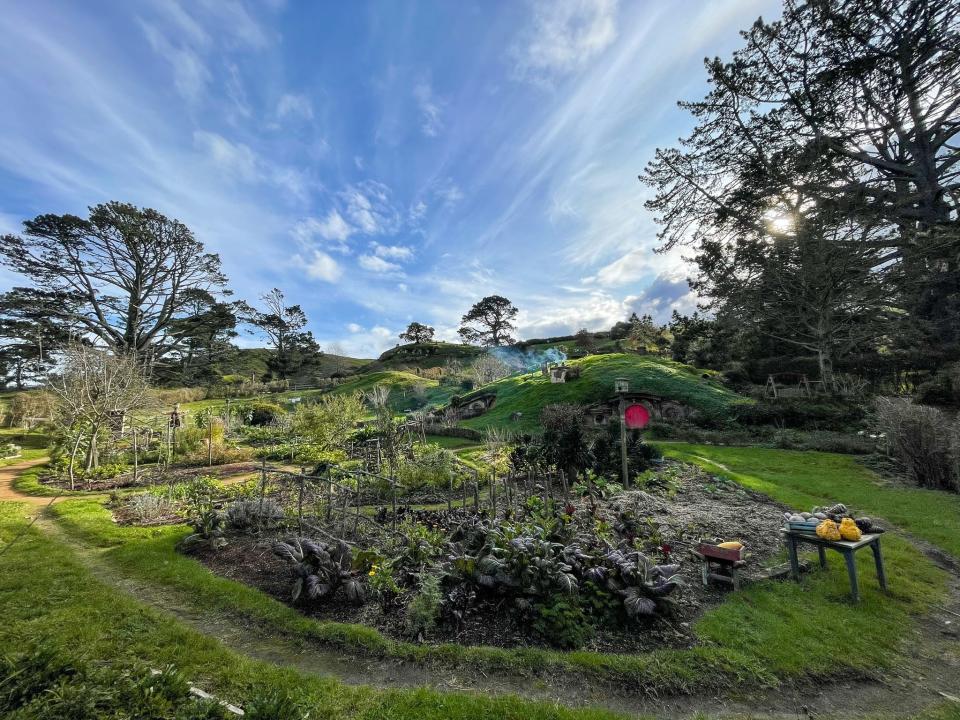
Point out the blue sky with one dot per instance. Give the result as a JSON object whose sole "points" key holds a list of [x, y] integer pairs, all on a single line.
{"points": [[381, 162]]}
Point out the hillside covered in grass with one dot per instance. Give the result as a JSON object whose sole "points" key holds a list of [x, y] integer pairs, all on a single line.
{"points": [[407, 390], [530, 392], [423, 355]]}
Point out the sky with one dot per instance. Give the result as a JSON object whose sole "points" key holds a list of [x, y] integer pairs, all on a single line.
{"points": [[381, 162]]}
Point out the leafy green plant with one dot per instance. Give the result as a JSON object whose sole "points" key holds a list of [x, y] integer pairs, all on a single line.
{"points": [[202, 514], [253, 515], [424, 609], [320, 569], [561, 622]]}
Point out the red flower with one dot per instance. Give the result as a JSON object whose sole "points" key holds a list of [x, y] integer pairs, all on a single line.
{"points": [[569, 509]]}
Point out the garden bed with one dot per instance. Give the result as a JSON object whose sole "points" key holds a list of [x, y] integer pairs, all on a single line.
{"points": [[153, 475], [678, 506]]}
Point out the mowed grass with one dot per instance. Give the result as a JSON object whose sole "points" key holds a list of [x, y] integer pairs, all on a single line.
{"points": [[47, 597], [530, 392], [803, 479], [33, 444]]}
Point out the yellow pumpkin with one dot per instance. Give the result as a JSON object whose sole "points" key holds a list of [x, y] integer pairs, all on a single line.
{"points": [[849, 529], [828, 530]]}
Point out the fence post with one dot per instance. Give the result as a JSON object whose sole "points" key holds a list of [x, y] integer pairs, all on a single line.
{"points": [[393, 500], [329, 495], [210, 439], [263, 488], [300, 505], [450, 492], [493, 492]]}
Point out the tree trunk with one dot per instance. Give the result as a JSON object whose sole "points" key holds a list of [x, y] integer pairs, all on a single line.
{"points": [[73, 459], [93, 460]]}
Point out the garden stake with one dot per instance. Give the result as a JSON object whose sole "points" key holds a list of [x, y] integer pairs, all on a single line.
{"points": [[263, 488], [450, 493], [300, 504]]}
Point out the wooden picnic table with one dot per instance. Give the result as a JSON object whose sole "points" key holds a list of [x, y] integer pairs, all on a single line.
{"points": [[847, 548]]}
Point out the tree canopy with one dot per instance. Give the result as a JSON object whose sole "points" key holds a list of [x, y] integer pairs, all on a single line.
{"points": [[417, 333], [124, 275], [488, 322]]}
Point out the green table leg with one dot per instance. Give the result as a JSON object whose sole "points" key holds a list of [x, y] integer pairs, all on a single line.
{"points": [[852, 572], [878, 561], [794, 560]]}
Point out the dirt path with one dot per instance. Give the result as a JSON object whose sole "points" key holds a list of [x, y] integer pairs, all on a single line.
{"points": [[8, 474], [929, 674]]}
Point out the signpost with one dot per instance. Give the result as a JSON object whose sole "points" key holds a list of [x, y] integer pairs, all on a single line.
{"points": [[633, 416]]}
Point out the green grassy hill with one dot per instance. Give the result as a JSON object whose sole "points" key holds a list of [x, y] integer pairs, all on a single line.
{"points": [[423, 355], [530, 392], [407, 390]]}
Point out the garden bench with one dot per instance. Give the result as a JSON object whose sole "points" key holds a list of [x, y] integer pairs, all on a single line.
{"points": [[847, 548]]}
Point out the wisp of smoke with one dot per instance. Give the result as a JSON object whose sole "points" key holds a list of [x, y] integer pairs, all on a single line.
{"points": [[520, 361]]}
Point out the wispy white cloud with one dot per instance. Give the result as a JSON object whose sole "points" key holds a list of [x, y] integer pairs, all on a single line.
{"points": [[430, 107], [190, 74], [321, 266], [235, 160], [401, 253], [294, 106], [565, 35], [370, 209], [376, 264]]}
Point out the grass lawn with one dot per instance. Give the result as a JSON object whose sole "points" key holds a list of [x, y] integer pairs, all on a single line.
{"points": [[33, 444], [804, 479], [530, 392], [47, 597]]}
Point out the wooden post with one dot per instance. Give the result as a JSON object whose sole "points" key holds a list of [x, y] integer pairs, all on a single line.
{"points": [[493, 492], [450, 492], [624, 469], [300, 504], [136, 466], [566, 487], [263, 488], [464, 493], [209, 439], [476, 492], [393, 500], [356, 517]]}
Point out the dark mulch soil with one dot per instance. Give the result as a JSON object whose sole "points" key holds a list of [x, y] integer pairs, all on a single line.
{"points": [[688, 506]]}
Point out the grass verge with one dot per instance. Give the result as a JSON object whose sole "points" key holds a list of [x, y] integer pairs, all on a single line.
{"points": [[47, 598], [803, 479]]}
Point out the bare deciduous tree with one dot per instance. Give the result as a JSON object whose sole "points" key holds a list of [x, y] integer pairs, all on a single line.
{"points": [[94, 391]]}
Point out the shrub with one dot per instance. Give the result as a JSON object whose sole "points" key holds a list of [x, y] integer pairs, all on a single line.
{"points": [[172, 396], [424, 609], [432, 467], [9, 450], [202, 514], [924, 440], [149, 507], [253, 515], [562, 623], [262, 413], [801, 413], [320, 569], [942, 389]]}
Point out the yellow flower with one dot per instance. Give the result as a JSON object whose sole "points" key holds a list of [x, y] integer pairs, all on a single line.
{"points": [[372, 573]]}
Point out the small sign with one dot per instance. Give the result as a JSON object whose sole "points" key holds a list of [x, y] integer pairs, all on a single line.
{"points": [[636, 416]]}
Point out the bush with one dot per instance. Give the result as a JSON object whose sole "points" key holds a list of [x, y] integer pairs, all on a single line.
{"points": [[942, 389], [253, 515], [262, 413], [562, 623], [924, 440], [424, 609], [801, 413], [172, 396], [149, 507]]}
